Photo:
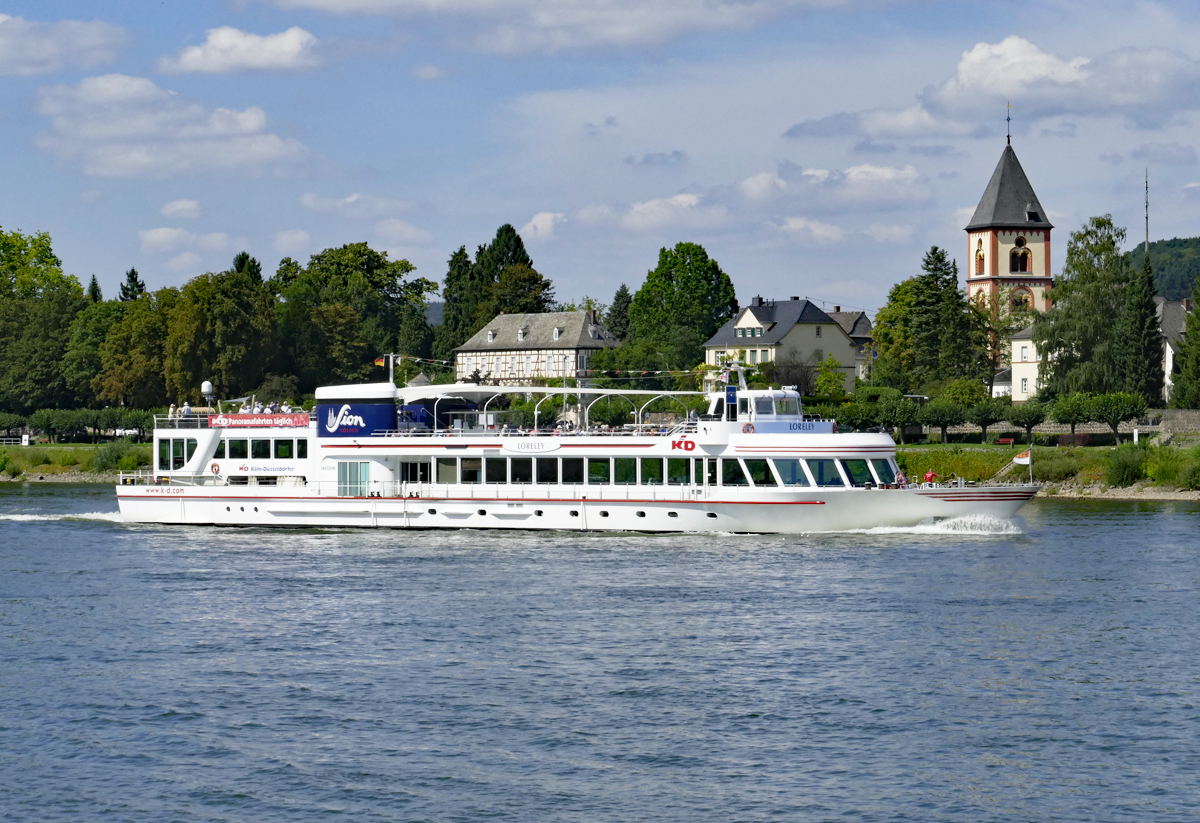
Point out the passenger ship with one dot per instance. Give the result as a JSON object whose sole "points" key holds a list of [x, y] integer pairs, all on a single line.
{"points": [[435, 457]]}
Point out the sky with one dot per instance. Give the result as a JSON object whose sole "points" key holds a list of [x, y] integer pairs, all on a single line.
{"points": [[815, 148]]}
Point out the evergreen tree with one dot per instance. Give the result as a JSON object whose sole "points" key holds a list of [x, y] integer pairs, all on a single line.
{"points": [[243, 263], [1141, 341], [520, 290], [461, 294], [132, 287], [506, 249], [415, 335], [93, 291], [1077, 338], [1185, 389], [617, 318]]}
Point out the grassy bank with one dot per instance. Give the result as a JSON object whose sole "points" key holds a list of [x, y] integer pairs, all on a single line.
{"points": [[47, 461]]}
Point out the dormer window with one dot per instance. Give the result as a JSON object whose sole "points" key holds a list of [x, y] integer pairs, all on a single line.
{"points": [[1033, 217], [491, 336], [557, 332], [520, 335]]}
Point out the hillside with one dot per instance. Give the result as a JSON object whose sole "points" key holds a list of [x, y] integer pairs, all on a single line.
{"points": [[1176, 265]]}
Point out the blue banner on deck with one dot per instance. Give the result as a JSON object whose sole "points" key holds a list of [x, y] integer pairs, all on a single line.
{"points": [[355, 419]]}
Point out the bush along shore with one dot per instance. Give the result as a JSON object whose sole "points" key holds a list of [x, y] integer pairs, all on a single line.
{"points": [[72, 464], [1131, 471]]}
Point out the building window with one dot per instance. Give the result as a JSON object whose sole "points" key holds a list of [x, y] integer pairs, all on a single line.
{"points": [[1024, 353], [528, 364], [763, 356], [819, 354], [512, 363], [754, 356], [1024, 385]]}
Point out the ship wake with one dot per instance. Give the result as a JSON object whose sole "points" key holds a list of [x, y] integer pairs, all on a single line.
{"points": [[106, 517], [968, 524]]}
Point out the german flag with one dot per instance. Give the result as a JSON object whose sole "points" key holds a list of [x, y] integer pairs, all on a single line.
{"points": [[379, 361]]}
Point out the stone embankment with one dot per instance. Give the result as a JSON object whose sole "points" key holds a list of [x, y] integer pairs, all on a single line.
{"points": [[61, 477]]}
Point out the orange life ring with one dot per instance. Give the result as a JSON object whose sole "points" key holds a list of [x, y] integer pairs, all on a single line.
{"points": [[748, 428], [215, 468]]}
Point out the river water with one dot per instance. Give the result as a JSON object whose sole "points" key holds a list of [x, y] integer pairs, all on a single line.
{"points": [[1047, 669]]}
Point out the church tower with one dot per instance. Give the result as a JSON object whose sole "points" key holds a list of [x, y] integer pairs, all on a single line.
{"points": [[1008, 239]]}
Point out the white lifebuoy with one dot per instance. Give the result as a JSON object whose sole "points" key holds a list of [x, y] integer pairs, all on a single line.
{"points": [[215, 468], [748, 428]]}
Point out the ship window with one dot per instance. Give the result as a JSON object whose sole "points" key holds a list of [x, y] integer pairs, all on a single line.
{"points": [[219, 454], [177, 460], [302, 449], [678, 471], [547, 469], [260, 449], [238, 450], [652, 471], [599, 470], [283, 449], [883, 471], [572, 470], [471, 470], [760, 472], [522, 470], [496, 469], [763, 405], [791, 472], [787, 406], [625, 471], [191, 448], [353, 478], [447, 469], [413, 472], [743, 406], [732, 474], [825, 473], [858, 472], [164, 455]]}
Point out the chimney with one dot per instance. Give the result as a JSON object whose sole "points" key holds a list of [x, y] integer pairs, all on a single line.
{"points": [[1187, 304], [756, 300], [795, 298], [837, 308]]}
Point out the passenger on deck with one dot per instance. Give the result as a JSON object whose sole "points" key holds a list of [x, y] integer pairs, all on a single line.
{"points": [[187, 409], [171, 412]]}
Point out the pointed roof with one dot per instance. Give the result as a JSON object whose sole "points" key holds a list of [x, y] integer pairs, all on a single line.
{"points": [[1009, 200]]}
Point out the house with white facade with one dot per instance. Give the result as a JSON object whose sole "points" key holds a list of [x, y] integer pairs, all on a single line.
{"points": [[858, 328], [1025, 363], [768, 331], [516, 348]]}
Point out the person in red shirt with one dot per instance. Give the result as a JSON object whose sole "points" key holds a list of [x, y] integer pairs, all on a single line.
{"points": [[930, 477]]}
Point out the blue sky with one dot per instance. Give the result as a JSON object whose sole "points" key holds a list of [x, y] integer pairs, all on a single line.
{"points": [[814, 147]]}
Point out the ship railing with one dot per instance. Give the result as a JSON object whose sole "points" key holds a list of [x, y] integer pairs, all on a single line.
{"points": [[199, 419], [628, 430]]}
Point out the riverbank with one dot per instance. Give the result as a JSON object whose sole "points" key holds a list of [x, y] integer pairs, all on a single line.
{"points": [[65, 477], [1099, 491]]}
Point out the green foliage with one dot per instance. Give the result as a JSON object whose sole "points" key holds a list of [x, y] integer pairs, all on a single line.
{"points": [[1191, 477], [36, 457], [966, 391], [81, 362], [1077, 337], [1165, 465], [942, 413], [10, 421], [518, 290], [110, 455], [1027, 415], [4, 461], [93, 291], [1058, 465], [831, 380], [876, 394], [1176, 265], [278, 387], [1126, 465], [1072, 409], [855, 416], [131, 356], [988, 412], [1140, 340], [683, 302], [1185, 392], [617, 318], [133, 287], [1115, 408]]}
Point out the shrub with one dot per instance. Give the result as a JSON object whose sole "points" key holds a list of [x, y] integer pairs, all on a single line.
{"points": [[1115, 408], [1164, 465], [67, 457], [37, 457], [1057, 465], [1027, 415], [1126, 465], [108, 456], [1071, 410], [1190, 478], [3, 460], [129, 462], [972, 464]]}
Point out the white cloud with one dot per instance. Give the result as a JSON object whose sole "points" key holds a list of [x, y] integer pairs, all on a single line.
{"points": [[355, 205], [541, 225], [883, 233], [1166, 153], [188, 261], [813, 230], [28, 47], [762, 185], [291, 242], [681, 210], [405, 234], [121, 126], [229, 50], [865, 186], [168, 239], [1009, 69], [180, 209], [517, 26], [426, 72]]}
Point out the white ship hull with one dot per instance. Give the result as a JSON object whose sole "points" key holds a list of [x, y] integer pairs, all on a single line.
{"points": [[683, 511]]}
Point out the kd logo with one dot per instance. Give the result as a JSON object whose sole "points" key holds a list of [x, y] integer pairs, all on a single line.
{"points": [[685, 445]]}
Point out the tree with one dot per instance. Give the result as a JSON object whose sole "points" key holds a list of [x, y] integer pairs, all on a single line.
{"points": [[996, 318], [519, 290], [1115, 408], [1140, 340], [855, 415], [132, 357], [966, 391], [1185, 391], [414, 337], [683, 302], [942, 413], [789, 369], [1077, 338], [1027, 415], [81, 360], [988, 412], [133, 287], [831, 382], [617, 318], [93, 291], [897, 412], [243, 263], [1071, 410]]}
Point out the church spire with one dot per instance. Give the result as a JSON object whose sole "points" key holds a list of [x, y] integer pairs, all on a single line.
{"points": [[1009, 200]]}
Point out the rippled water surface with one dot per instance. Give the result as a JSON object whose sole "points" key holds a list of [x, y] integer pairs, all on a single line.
{"points": [[983, 671]]}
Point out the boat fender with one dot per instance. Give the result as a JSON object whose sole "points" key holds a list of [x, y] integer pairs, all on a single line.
{"points": [[215, 468], [748, 428]]}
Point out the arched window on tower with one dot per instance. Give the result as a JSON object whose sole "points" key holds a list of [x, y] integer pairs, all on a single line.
{"points": [[1020, 258], [1022, 300], [979, 258]]}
